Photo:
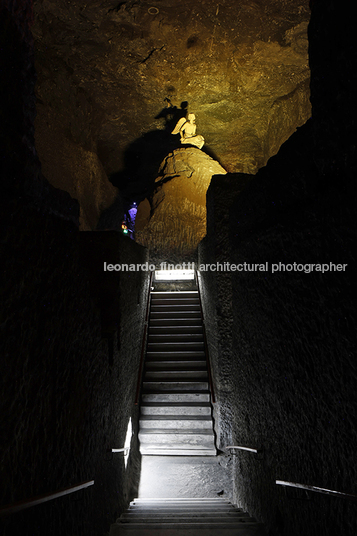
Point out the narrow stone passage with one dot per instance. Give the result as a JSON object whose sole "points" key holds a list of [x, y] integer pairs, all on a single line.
{"points": [[183, 479]]}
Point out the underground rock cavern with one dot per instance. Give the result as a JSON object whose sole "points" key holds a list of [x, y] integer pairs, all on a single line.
{"points": [[195, 134]]}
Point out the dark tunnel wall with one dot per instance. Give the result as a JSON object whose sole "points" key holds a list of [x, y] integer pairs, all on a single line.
{"points": [[284, 352], [70, 334]]}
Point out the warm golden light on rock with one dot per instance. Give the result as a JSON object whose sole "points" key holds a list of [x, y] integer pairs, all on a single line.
{"points": [[176, 222], [104, 69]]}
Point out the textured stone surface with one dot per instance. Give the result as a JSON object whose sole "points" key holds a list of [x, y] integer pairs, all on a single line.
{"points": [[72, 167], [216, 291], [66, 392], [175, 222], [104, 69], [288, 366], [180, 476], [292, 345]]}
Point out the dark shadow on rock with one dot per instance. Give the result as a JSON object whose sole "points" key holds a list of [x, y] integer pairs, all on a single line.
{"points": [[112, 217], [172, 114], [278, 524], [209, 152], [142, 160]]}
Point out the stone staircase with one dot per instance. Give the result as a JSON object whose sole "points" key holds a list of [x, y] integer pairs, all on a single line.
{"points": [[185, 517], [176, 413]]}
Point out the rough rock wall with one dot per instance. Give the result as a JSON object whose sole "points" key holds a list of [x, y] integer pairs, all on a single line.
{"points": [[293, 341], [173, 221], [73, 167], [66, 392], [104, 69], [293, 376], [216, 289]]}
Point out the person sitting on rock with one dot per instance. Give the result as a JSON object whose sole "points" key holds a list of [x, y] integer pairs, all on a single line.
{"points": [[187, 131]]}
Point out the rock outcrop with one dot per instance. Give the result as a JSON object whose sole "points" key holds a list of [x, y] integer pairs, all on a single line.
{"points": [[105, 67], [173, 221]]}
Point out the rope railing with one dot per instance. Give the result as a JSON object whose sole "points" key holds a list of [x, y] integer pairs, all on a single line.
{"points": [[28, 503]]}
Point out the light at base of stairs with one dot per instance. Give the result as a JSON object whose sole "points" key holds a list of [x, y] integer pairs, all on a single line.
{"points": [[174, 275]]}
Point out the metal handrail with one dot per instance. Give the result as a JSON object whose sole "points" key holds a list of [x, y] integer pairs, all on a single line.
{"points": [[210, 379], [143, 345], [249, 449], [316, 489], [22, 505]]}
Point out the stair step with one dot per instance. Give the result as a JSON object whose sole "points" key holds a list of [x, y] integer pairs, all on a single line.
{"points": [[176, 314], [175, 322], [175, 355], [185, 512], [210, 524], [181, 364], [183, 293], [172, 346], [180, 513], [177, 438], [175, 307], [193, 519], [173, 432], [185, 508], [175, 337], [178, 409], [182, 450], [174, 422], [161, 300], [179, 385], [176, 397], [173, 330], [170, 375], [251, 530], [179, 418], [195, 504], [180, 500]]}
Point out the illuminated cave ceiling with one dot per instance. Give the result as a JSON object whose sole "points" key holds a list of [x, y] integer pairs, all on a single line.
{"points": [[104, 68]]}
